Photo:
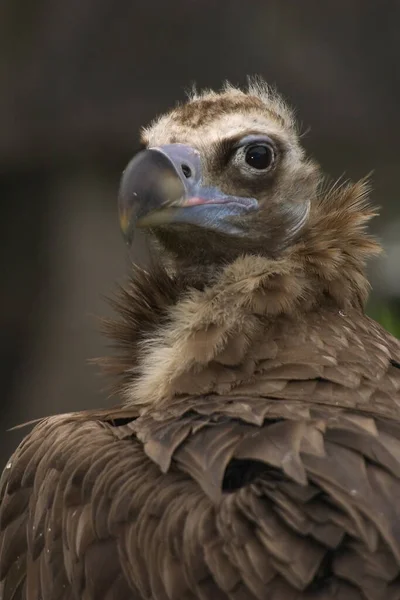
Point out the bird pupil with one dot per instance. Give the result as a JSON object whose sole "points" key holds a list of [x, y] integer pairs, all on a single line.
{"points": [[258, 156]]}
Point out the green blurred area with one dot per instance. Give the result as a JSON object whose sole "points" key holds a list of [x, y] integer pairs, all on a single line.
{"points": [[387, 313]]}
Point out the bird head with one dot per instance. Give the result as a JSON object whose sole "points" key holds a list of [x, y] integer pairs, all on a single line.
{"points": [[220, 176]]}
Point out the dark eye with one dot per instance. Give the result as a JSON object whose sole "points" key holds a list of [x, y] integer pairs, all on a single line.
{"points": [[259, 156]]}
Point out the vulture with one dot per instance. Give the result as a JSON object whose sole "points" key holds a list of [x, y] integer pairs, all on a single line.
{"points": [[253, 451]]}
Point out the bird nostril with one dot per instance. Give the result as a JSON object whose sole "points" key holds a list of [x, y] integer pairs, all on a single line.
{"points": [[186, 170]]}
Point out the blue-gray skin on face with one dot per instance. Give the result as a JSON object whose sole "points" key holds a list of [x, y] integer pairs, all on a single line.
{"points": [[164, 185]]}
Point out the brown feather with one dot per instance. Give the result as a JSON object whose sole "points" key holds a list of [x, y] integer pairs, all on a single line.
{"points": [[165, 322]]}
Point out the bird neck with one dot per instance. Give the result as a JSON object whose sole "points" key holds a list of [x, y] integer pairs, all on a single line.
{"points": [[175, 326], [173, 332]]}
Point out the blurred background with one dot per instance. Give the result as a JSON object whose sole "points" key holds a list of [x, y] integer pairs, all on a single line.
{"points": [[77, 81]]}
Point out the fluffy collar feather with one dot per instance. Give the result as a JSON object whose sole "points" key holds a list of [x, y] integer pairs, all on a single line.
{"points": [[167, 327]]}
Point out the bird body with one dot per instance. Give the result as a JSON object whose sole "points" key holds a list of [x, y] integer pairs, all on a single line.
{"points": [[256, 449]]}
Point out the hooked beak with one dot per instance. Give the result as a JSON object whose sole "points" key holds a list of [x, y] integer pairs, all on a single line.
{"points": [[164, 185]]}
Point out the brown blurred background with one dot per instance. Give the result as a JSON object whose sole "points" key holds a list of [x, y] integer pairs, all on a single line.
{"points": [[79, 78]]}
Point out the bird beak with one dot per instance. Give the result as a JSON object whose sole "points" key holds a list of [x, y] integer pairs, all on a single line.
{"points": [[164, 185]]}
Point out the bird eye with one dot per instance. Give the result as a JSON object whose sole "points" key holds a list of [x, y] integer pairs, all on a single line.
{"points": [[259, 156]]}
